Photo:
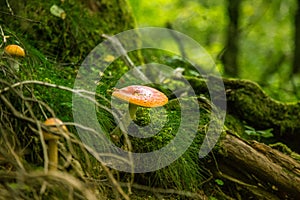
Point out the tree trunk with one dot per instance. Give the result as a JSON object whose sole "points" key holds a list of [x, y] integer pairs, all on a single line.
{"points": [[230, 54], [296, 63]]}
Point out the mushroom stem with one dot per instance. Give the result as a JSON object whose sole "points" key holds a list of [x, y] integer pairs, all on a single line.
{"points": [[14, 64], [132, 110], [52, 140], [52, 154]]}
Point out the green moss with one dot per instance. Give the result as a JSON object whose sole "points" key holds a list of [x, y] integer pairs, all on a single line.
{"points": [[248, 102], [67, 40], [55, 49], [234, 124], [186, 173]]}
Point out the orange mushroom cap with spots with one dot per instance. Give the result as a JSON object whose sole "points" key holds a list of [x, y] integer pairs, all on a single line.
{"points": [[14, 50], [141, 95]]}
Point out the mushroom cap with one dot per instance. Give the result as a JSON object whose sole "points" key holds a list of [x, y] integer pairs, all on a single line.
{"points": [[141, 95], [14, 50], [55, 125]]}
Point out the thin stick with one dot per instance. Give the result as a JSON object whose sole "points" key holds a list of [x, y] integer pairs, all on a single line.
{"points": [[9, 8], [3, 36], [120, 49], [23, 18], [79, 92]]}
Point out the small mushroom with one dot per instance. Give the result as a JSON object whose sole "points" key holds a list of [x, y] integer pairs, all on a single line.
{"points": [[14, 51], [56, 125], [138, 95]]}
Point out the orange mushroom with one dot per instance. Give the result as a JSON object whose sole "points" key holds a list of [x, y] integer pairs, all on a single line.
{"points": [[14, 51], [55, 125], [138, 95]]}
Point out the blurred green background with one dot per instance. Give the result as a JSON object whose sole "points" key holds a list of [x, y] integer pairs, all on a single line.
{"points": [[264, 36]]}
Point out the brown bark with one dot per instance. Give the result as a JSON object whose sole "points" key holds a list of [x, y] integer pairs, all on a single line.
{"points": [[267, 165]]}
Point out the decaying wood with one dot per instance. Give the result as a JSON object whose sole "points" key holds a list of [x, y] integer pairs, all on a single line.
{"points": [[261, 161]]}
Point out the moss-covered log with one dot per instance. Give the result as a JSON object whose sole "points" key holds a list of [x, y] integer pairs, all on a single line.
{"points": [[264, 172], [249, 103], [247, 100]]}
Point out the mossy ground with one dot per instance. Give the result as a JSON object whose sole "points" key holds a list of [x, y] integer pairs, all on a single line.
{"points": [[186, 173], [55, 49]]}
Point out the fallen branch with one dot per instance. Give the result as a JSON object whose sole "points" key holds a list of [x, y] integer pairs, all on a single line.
{"points": [[261, 161]]}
